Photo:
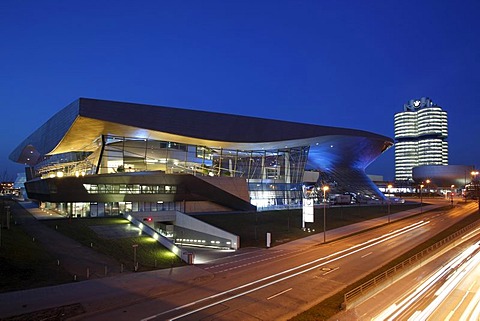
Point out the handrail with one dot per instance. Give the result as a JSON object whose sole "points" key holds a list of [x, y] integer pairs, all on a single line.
{"points": [[371, 284], [187, 257]]}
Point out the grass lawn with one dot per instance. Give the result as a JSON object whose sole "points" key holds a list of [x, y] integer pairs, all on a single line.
{"points": [[24, 263], [286, 225], [34, 267], [150, 254]]}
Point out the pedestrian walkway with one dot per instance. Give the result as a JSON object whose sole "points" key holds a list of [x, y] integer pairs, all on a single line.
{"points": [[98, 293], [351, 229], [80, 261]]}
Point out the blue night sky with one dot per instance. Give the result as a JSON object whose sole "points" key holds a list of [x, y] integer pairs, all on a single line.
{"points": [[336, 63]]}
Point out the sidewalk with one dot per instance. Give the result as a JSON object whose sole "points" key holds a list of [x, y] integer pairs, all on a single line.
{"points": [[71, 255], [344, 231], [97, 293]]}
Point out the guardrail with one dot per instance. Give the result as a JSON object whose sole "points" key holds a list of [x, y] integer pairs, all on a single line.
{"points": [[376, 282], [187, 257]]}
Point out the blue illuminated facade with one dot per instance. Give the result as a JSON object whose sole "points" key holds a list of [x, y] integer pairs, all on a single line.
{"points": [[97, 157]]}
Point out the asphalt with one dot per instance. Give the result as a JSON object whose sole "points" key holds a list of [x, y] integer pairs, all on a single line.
{"points": [[107, 286]]}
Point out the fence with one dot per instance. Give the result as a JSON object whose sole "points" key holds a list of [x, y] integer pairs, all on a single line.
{"points": [[388, 275]]}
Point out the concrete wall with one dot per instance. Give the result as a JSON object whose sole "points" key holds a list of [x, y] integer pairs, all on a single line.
{"points": [[186, 256], [183, 220], [192, 223]]}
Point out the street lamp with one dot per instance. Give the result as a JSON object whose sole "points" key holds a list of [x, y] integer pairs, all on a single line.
{"points": [[475, 185], [421, 199], [325, 188], [451, 194], [388, 200], [428, 188]]}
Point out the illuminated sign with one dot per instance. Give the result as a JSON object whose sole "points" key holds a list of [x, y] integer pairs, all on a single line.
{"points": [[307, 212]]}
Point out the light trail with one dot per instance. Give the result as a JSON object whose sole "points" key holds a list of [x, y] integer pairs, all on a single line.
{"points": [[472, 306], [339, 255], [463, 259], [449, 316], [449, 286], [476, 313]]}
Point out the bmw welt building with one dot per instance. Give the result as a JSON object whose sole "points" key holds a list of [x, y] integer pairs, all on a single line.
{"points": [[101, 158]]}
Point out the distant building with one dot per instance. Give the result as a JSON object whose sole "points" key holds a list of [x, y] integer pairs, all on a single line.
{"points": [[19, 185], [421, 132], [6, 188], [101, 158], [444, 176]]}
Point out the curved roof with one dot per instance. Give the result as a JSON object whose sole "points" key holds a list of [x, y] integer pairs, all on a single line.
{"points": [[443, 175], [78, 126]]}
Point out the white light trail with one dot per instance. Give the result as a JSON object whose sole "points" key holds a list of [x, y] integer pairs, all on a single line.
{"points": [[395, 310], [473, 305], [449, 316], [449, 285], [476, 313], [354, 249]]}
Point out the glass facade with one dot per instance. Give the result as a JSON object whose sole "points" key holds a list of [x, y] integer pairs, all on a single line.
{"points": [[421, 132], [274, 177], [69, 164], [129, 189], [98, 145], [94, 209]]}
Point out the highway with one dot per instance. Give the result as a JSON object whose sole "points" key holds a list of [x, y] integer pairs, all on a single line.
{"points": [[443, 288], [451, 292], [281, 282], [458, 299]]}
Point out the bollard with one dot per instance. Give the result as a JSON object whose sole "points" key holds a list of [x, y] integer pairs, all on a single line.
{"points": [[91, 244], [33, 239], [88, 273], [121, 268], [58, 262], [74, 277]]}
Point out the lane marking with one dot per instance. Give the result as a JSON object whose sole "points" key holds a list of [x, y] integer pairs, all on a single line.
{"points": [[332, 270], [344, 253], [280, 293], [366, 255]]}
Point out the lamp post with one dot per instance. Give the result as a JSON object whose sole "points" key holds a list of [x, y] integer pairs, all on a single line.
{"points": [[325, 188], [475, 185], [421, 199], [388, 200], [428, 188], [451, 194]]}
